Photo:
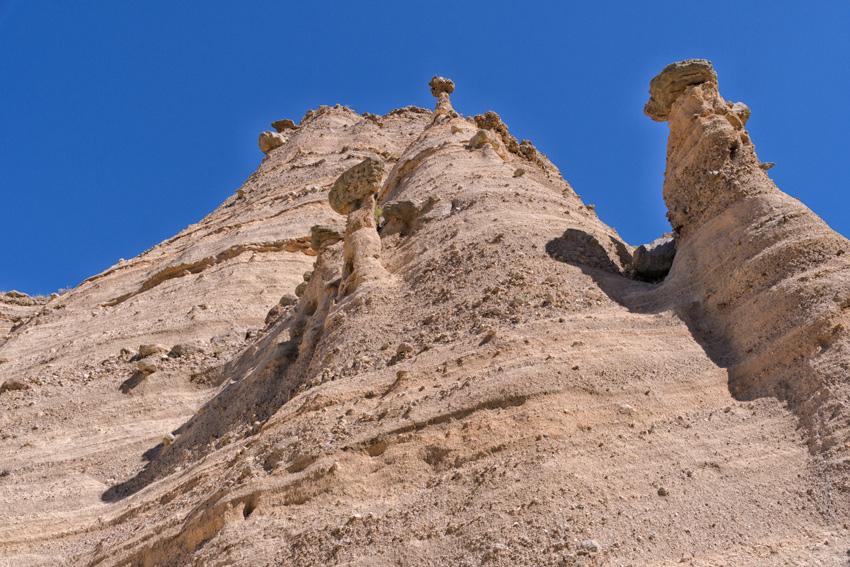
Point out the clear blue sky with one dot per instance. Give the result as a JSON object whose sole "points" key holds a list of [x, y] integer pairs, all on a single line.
{"points": [[123, 122]]}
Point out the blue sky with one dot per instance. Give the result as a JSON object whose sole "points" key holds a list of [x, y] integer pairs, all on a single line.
{"points": [[122, 123]]}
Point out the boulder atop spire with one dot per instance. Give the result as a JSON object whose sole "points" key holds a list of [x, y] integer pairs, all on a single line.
{"points": [[440, 85], [356, 184], [672, 81]]}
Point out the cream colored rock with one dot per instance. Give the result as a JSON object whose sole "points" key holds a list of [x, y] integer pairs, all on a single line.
{"points": [[270, 141], [441, 85], [741, 110], [485, 137], [500, 435], [147, 365], [147, 350], [200, 283]]}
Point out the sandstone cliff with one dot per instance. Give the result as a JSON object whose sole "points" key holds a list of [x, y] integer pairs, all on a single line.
{"points": [[468, 374]]}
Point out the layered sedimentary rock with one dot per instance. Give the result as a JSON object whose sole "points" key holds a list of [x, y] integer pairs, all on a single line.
{"points": [[762, 277], [500, 393]]}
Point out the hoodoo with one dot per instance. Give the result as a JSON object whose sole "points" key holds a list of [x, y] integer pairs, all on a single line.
{"points": [[766, 280], [468, 373]]}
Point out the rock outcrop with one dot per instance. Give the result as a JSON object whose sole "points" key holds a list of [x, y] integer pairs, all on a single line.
{"points": [[441, 88], [479, 381], [353, 194], [270, 141], [653, 261], [672, 81], [762, 272]]}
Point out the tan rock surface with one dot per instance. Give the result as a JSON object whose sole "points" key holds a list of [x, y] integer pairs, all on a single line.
{"points": [[509, 397]]}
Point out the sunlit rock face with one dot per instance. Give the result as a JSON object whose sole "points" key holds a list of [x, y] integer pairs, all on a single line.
{"points": [[405, 340]]}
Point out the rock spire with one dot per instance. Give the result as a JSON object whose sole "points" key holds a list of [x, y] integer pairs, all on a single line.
{"points": [[441, 88], [353, 194]]}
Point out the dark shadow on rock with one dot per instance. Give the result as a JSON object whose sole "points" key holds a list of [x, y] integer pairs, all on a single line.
{"points": [[130, 383], [233, 412], [583, 250], [262, 378]]}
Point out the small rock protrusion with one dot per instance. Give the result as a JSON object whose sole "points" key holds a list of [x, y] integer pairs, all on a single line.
{"points": [[742, 111], [590, 546], [528, 151], [300, 289], [492, 121], [325, 235], [404, 212], [767, 165], [287, 299], [407, 213], [146, 365], [235, 335], [168, 439], [128, 353], [672, 81], [404, 350], [483, 137], [185, 349], [12, 385], [152, 350], [270, 140], [284, 125], [626, 409], [17, 295]]}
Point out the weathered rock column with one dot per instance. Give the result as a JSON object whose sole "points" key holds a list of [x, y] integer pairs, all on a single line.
{"points": [[761, 277], [353, 194], [441, 88]]}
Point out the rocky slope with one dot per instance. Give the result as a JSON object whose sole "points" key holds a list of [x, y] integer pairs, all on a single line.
{"points": [[471, 375]]}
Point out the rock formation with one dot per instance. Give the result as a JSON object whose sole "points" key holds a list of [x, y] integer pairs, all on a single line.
{"points": [[353, 194], [270, 141], [475, 380], [653, 261], [757, 269], [441, 88]]}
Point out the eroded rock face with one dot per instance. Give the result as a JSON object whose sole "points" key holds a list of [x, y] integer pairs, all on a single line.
{"points": [[766, 276], [500, 360]]}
